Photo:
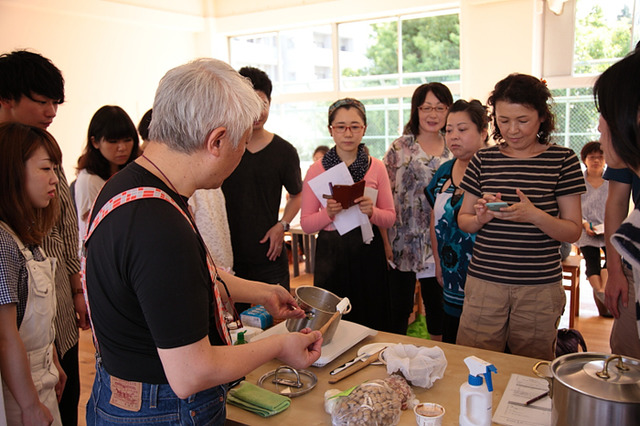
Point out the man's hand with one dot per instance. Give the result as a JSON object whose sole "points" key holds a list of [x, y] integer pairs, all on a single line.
{"points": [[280, 304], [275, 237], [617, 287], [82, 317], [301, 349]]}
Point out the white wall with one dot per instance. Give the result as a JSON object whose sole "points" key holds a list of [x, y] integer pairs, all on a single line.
{"points": [[496, 39], [108, 52]]}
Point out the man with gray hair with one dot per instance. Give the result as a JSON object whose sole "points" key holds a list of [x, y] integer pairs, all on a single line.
{"points": [[155, 298]]}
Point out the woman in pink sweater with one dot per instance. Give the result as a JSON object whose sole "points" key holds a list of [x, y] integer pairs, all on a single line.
{"points": [[345, 264]]}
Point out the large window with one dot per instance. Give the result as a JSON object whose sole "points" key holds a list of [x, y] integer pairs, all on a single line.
{"points": [[576, 117], [305, 125], [604, 33], [400, 51], [296, 60], [378, 61]]}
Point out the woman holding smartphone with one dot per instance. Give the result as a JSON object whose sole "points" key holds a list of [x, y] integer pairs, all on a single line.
{"points": [[513, 294]]}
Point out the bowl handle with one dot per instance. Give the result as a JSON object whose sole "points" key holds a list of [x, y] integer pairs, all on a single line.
{"points": [[348, 309], [547, 378]]}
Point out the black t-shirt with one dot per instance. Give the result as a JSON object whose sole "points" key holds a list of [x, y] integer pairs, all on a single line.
{"points": [[253, 193], [147, 281]]}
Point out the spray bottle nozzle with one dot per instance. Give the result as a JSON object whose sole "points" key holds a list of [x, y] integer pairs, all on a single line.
{"points": [[478, 367]]}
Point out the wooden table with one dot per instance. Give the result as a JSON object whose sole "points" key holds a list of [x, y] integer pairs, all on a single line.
{"points": [[308, 409]]}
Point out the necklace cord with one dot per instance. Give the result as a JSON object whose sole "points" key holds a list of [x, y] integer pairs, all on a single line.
{"points": [[236, 317]]}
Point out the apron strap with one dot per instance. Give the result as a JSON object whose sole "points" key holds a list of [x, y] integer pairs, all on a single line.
{"points": [[142, 193], [28, 255]]}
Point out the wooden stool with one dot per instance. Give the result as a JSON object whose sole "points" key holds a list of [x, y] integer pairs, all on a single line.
{"points": [[571, 273]]}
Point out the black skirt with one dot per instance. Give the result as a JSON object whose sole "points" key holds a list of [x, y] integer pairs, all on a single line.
{"points": [[350, 268]]}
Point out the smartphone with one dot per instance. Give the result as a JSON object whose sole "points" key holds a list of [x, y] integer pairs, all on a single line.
{"points": [[495, 207]]}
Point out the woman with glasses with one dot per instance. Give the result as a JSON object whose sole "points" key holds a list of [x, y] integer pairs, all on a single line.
{"points": [[593, 204], [411, 162], [345, 264]]}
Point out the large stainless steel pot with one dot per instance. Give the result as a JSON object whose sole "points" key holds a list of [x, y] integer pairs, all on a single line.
{"points": [[588, 388], [319, 306]]}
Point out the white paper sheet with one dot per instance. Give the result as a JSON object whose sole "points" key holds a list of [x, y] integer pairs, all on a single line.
{"points": [[365, 224], [352, 217], [337, 175], [512, 409]]}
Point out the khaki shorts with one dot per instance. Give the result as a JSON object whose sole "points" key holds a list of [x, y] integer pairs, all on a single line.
{"points": [[624, 333], [524, 317]]}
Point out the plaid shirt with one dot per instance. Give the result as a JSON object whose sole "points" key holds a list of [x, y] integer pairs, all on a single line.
{"points": [[14, 277]]}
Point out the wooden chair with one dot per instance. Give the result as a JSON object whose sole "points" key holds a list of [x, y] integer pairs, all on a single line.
{"points": [[571, 283]]}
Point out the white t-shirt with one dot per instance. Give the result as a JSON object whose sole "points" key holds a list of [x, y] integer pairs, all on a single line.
{"points": [[87, 188], [210, 212]]}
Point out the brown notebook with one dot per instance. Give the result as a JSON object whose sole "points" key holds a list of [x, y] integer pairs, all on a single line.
{"points": [[347, 194]]}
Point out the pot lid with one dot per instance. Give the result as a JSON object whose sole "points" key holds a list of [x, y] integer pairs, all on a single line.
{"points": [[609, 377], [288, 381]]}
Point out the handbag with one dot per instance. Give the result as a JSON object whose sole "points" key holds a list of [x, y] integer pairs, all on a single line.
{"points": [[569, 341]]}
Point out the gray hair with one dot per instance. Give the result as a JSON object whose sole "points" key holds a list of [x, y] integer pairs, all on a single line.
{"points": [[198, 97]]}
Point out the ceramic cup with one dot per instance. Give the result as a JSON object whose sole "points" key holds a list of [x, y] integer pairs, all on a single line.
{"points": [[429, 414]]}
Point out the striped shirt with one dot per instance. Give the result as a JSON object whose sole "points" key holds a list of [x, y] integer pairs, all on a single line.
{"points": [[519, 253], [62, 243]]}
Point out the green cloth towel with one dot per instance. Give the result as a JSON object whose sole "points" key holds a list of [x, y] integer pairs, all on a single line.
{"points": [[258, 400]]}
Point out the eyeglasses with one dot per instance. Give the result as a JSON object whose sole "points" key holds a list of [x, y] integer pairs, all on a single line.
{"points": [[355, 128], [439, 109]]}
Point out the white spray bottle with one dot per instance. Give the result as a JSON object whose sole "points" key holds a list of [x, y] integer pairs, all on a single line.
{"points": [[475, 398]]}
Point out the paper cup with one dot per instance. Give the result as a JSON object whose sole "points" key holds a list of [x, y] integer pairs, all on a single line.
{"points": [[429, 414]]}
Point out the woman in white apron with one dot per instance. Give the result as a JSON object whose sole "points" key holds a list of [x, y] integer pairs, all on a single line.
{"points": [[31, 375]]}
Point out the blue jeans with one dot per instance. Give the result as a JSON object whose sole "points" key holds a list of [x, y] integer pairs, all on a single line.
{"points": [[160, 405]]}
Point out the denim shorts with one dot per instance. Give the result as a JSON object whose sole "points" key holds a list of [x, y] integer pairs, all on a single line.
{"points": [[160, 405]]}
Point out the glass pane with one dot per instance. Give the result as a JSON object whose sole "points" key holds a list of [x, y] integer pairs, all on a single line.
{"points": [[259, 51], [368, 54], [431, 49], [307, 59], [603, 34], [304, 124], [576, 117], [383, 124]]}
